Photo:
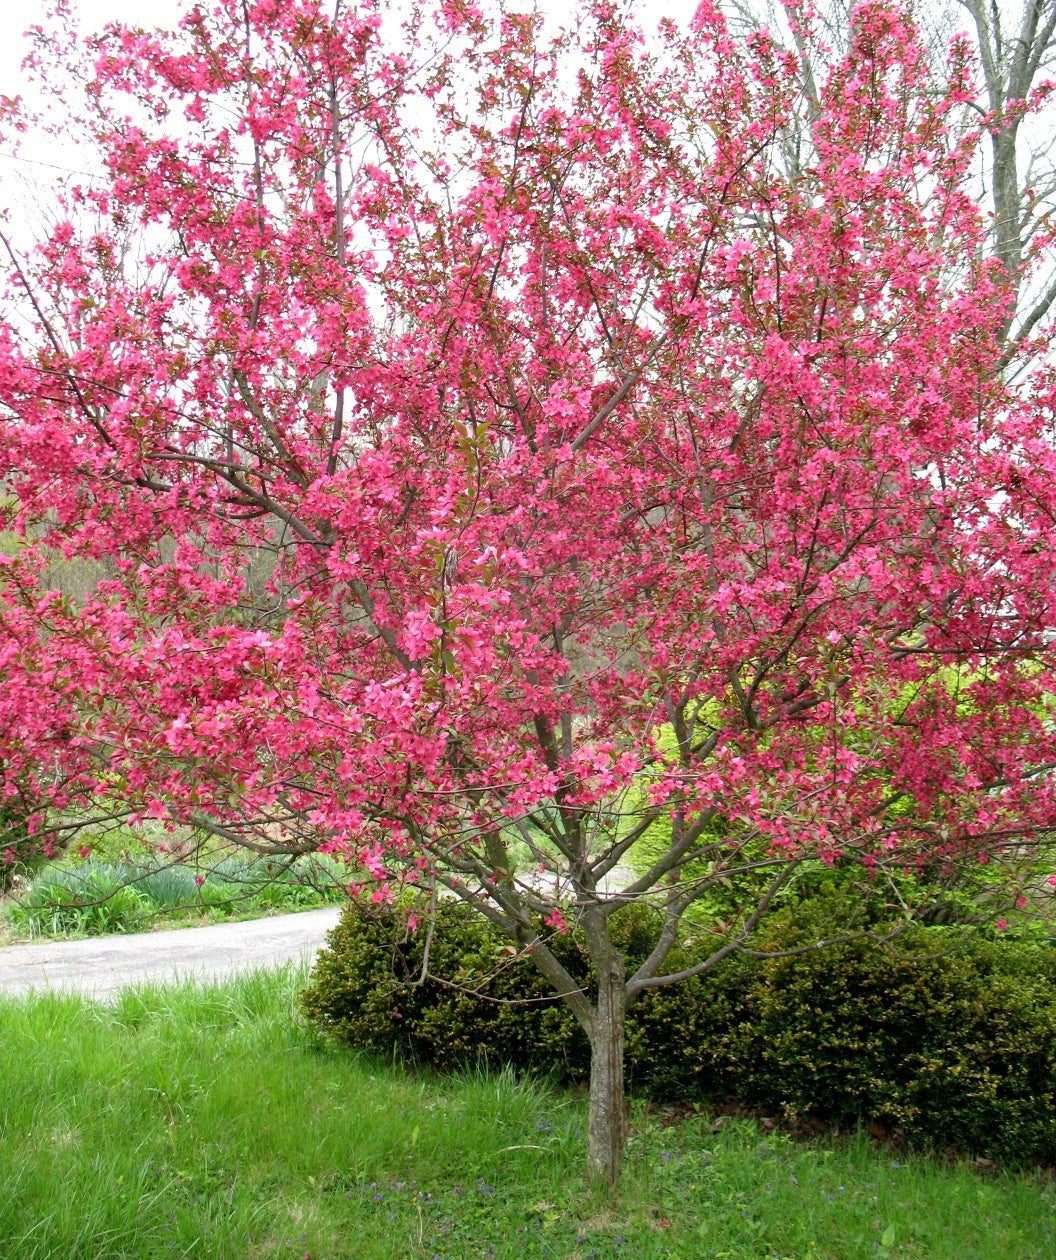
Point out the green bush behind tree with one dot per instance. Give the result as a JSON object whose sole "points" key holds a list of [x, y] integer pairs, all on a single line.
{"points": [[950, 1041]]}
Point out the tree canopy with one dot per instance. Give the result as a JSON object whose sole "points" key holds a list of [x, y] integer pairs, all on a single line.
{"points": [[497, 448]]}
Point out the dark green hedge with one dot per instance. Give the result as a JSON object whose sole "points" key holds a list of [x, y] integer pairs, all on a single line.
{"points": [[955, 1051]]}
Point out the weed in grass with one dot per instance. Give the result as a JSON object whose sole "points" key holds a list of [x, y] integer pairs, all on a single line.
{"points": [[184, 1121]]}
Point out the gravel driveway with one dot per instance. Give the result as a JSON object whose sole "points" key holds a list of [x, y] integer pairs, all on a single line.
{"points": [[102, 965]]}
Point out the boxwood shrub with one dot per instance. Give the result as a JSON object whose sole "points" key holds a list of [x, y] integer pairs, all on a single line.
{"points": [[950, 1042]]}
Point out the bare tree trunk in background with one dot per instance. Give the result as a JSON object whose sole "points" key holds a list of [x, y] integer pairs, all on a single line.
{"points": [[1016, 47], [1013, 65]]}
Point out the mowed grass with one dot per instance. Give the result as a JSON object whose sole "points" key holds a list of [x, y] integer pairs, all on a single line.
{"points": [[208, 1122]]}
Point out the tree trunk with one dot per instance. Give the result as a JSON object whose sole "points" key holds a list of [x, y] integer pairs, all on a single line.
{"points": [[605, 1128]]}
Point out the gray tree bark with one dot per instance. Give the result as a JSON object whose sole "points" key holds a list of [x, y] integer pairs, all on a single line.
{"points": [[606, 1122]]}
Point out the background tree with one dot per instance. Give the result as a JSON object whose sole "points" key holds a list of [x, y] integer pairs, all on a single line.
{"points": [[1015, 50], [623, 484], [1016, 56]]}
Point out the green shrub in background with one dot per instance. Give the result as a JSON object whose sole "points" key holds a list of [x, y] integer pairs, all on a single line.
{"points": [[165, 886], [95, 897], [90, 900], [951, 1042], [242, 882]]}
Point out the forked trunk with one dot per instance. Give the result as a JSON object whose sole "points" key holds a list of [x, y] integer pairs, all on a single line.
{"points": [[606, 1120]]}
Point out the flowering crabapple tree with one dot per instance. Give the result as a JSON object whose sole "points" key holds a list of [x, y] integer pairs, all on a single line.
{"points": [[496, 456]]}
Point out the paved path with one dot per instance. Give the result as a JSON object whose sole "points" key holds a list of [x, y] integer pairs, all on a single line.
{"points": [[103, 965]]}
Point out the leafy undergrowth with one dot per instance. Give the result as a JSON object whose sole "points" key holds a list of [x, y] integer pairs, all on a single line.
{"points": [[95, 898], [185, 1121]]}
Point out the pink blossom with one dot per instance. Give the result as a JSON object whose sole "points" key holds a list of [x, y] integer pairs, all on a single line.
{"points": [[557, 920]]}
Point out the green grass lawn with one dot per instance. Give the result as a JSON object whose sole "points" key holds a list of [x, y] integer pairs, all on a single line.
{"points": [[208, 1122]]}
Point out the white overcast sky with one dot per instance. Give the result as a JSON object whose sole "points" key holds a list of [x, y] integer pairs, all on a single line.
{"points": [[16, 15], [24, 182]]}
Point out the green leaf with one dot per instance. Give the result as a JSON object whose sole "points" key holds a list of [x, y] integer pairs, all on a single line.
{"points": [[887, 1238]]}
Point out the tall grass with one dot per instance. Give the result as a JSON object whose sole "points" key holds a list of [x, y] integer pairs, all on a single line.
{"points": [[206, 1122]]}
